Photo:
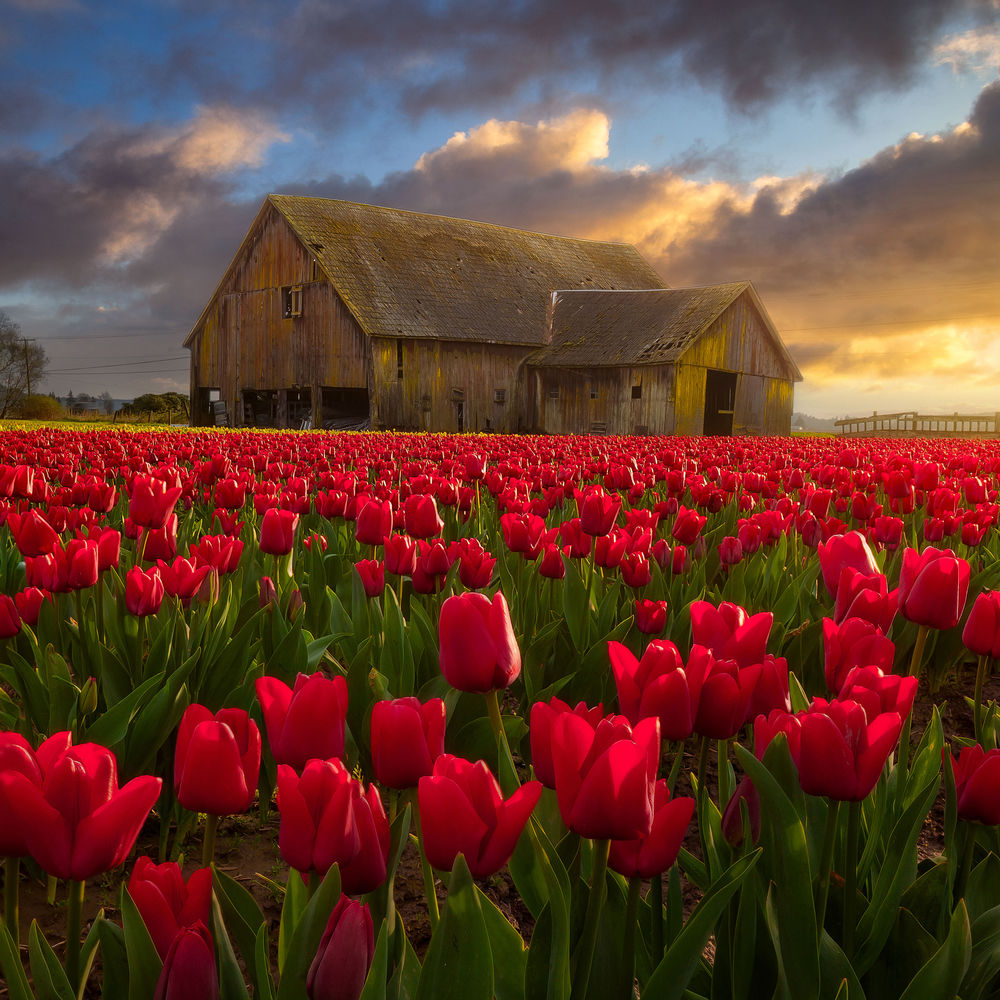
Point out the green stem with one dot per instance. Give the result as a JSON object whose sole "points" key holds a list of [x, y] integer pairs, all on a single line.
{"points": [[508, 775], [11, 877], [628, 945], [826, 864], [432, 904], [74, 920], [977, 708], [315, 879], [675, 767], [968, 850], [702, 774], [208, 844], [595, 903], [904, 737], [656, 905], [851, 876]]}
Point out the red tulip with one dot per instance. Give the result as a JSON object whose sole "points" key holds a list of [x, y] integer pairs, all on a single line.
{"points": [[575, 539], [33, 535], [182, 578], [221, 552], [277, 531], [604, 776], [372, 575], [729, 632], [217, 760], [152, 501], [29, 604], [650, 616], [726, 693], [610, 549], [981, 634], [420, 516], [933, 586], [877, 692], [374, 522], [168, 903], [230, 495], [650, 856], [77, 822], [865, 596], [143, 591], [10, 619], [475, 566], [730, 551], [551, 565], [977, 782], [478, 648], [401, 553], [16, 755], [542, 716], [853, 643], [850, 549], [732, 815], [406, 738], [327, 818], [687, 526], [522, 533], [159, 543], [658, 685], [344, 956], [635, 570], [462, 810], [189, 970], [771, 690], [838, 751], [598, 511], [306, 721]]}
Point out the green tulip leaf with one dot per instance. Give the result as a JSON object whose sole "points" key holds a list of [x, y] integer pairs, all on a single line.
{"points": [[114, 960], [144, 963], [231, 985], [111, 727], [10, 964], [50, 980], [510, 956], [263, 986], [985, 961], [459, 963], [943, 974], [681, 961], [308, 932], [242, 915], [375, 983]]}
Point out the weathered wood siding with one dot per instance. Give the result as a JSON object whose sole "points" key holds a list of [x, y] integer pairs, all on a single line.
{"points": [[437, 375], [565, 401], [777, 406], [244, 341]]}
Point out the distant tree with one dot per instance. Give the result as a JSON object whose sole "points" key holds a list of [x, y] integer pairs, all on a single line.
{"points": [[107, 403], [40, 408], [22, 365]]}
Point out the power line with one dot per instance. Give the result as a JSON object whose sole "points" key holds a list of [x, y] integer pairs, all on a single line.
{"points": [[130, 371], [123, 364]]}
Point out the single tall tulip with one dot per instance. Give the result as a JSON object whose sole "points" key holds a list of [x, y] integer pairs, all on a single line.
{"points": [[277, 531], [406, 738], [933, 586], [478, 649], [344, 956]]}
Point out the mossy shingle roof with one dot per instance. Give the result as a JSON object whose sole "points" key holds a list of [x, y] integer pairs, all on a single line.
{"points": [[655, 326], [404, 274]]}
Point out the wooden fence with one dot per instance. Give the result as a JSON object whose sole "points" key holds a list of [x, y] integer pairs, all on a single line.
{"points": [[913, 424]]}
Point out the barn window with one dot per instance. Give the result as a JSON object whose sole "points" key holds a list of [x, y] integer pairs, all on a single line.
{"points": [[291, 301], [399, 359], [593, 392], [637, 391], [554, 392], [500, 396]]}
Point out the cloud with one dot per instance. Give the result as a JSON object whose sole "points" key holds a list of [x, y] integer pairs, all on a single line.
{"points": [[334, 59], [975, 51]]}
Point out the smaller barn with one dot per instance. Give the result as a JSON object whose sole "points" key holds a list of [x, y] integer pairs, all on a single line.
{"points": [[704, 360]]}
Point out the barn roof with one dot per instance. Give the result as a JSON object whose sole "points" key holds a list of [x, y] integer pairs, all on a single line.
{"points": [[404, 274], [639, 327]]}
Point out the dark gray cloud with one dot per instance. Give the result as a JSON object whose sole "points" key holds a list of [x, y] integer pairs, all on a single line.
{"points": [[460, 54]]}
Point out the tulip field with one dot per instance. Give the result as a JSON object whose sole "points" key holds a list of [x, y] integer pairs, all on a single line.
{"points": [[659, 691]]}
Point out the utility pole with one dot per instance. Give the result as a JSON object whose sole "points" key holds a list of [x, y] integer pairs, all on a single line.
{"points": [[27, 366]]}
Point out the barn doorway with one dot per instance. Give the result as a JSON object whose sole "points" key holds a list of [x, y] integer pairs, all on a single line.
{"points": [[260, 408], [720, 402], [345, 408]]}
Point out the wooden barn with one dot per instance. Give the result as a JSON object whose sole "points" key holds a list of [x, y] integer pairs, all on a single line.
{"points": [[338, 314], [666, 361]]}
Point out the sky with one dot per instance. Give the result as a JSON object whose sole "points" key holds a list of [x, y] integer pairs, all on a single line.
{"points": [[845, 157]]}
